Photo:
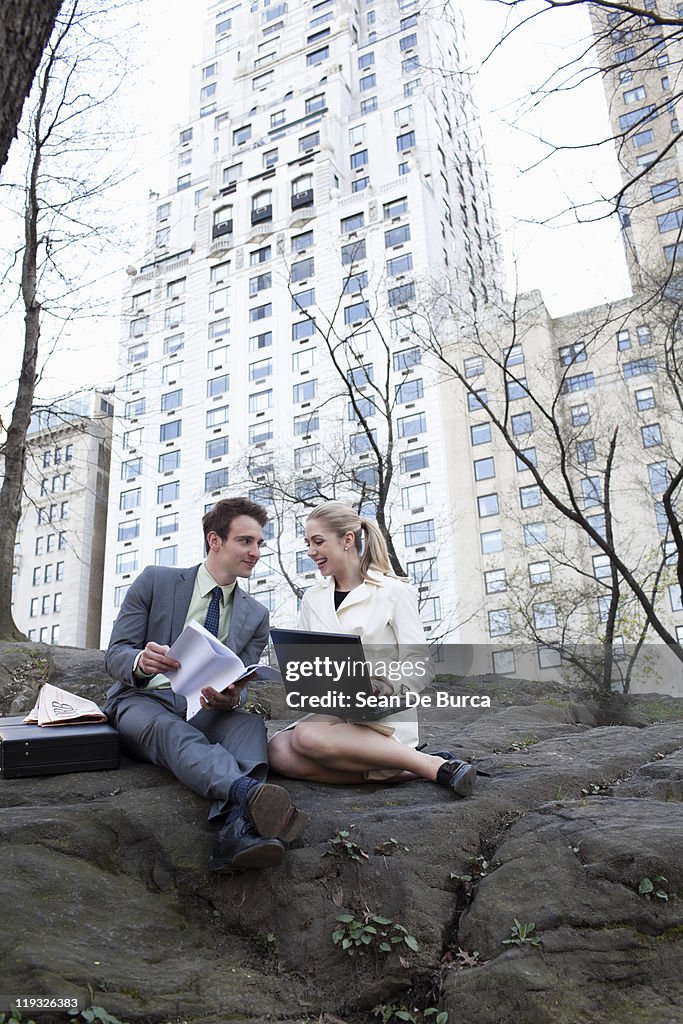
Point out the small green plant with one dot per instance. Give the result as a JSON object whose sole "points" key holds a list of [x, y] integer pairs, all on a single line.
{"points": [[343, 846], [529, 741], [357, 935], [653, 888], [522, 934], [14, 1015]]}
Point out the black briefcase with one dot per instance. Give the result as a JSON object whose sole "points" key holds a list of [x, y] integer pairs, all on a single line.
{"points": [[52, 750]]}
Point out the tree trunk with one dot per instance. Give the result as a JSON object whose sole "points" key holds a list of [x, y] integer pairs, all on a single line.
{"points": [[25, 27], [12, 489]]}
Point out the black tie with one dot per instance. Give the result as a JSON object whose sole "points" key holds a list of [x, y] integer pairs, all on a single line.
{"points": [[213, 615]]}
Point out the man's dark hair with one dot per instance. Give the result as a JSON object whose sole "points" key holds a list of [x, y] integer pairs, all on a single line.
{"points": [[219, 518]]}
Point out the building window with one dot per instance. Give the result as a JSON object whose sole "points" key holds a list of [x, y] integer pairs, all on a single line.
{"points": [[262, 207], [411, 426], [353, 252], [670, 221], [216, 447], [491, 541], [499, 622], [401, 295], [409, 391], [357, 135], [241, 135], [260, 341], [215, 479], [304, 392], [168, 492], [477, 399], [132, 410], [130, 469], [480, 433], [591, 489], [260, 369], [218, 385], [545, 615], [358, 159], [127, 562], [356, 312], [317, 56], [665, 190], [303, 329], [260, 312], [535, 533], [530, 496], [259, 283], [539, 572], [645, 399], [484, 469], [638, 367], [170, 431], [652, 435], [302, 269], [521, 423], [419, 533], [306, 424], [300, 243], [405, 141], [659, 475], [368, 105], [585, 451], [409, 462], [172, 400], [487, 505], [218, 416], [495, 581], [407, 358], [581, 382]]}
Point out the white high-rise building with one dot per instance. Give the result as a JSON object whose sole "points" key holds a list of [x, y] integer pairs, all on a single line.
{"points": [[329, 185], [59, 551]]}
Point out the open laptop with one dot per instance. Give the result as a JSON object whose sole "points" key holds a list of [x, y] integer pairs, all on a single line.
{"points": [[329, 674]]}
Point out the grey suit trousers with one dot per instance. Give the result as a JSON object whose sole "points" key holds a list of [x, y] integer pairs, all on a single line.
{"points": [[207, 754]]}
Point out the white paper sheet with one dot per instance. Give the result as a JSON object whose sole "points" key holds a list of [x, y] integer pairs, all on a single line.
{"points": [[205, 661]]}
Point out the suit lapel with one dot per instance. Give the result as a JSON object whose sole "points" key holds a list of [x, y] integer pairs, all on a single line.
{"points": [[238, 617], [181, 599]]}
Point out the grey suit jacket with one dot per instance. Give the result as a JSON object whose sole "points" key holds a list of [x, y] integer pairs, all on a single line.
{"points": [[155, 609]]}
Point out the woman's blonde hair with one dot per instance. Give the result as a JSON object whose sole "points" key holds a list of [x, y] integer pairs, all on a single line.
{"points": [[370, 544]]}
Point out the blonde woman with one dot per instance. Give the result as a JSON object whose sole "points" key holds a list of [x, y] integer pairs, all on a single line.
{"points": [[359, 593]]}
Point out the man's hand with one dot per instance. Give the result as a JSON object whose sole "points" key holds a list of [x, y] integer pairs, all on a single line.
{"points": [[154, 659], [228, 700]]}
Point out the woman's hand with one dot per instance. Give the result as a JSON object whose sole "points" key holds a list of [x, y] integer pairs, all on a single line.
{"points": [[381, 688]]}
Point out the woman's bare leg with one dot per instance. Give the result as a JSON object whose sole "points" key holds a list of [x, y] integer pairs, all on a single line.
{"points": [[288, 762], [345, 747]]}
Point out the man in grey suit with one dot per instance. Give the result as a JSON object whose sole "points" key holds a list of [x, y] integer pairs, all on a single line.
{"points": [[221, 752]]}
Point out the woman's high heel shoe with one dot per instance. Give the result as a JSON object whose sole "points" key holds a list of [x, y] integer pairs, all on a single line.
{"points": [[458, 776]]}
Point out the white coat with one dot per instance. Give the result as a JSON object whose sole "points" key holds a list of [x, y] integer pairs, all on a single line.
{"points": [[383, 612]]}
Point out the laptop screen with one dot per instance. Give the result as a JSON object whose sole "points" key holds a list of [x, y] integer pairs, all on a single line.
{"points": [[328, 673]]}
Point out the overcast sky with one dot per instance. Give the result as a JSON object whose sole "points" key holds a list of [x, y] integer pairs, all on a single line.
{"points": [[574, 266]]}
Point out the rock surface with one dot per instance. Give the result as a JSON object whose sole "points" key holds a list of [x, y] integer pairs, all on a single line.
{"points": [[104, 881]]}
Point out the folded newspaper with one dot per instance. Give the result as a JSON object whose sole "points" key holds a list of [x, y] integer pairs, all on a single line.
{"points": [[205, 661], [59, 707]]}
